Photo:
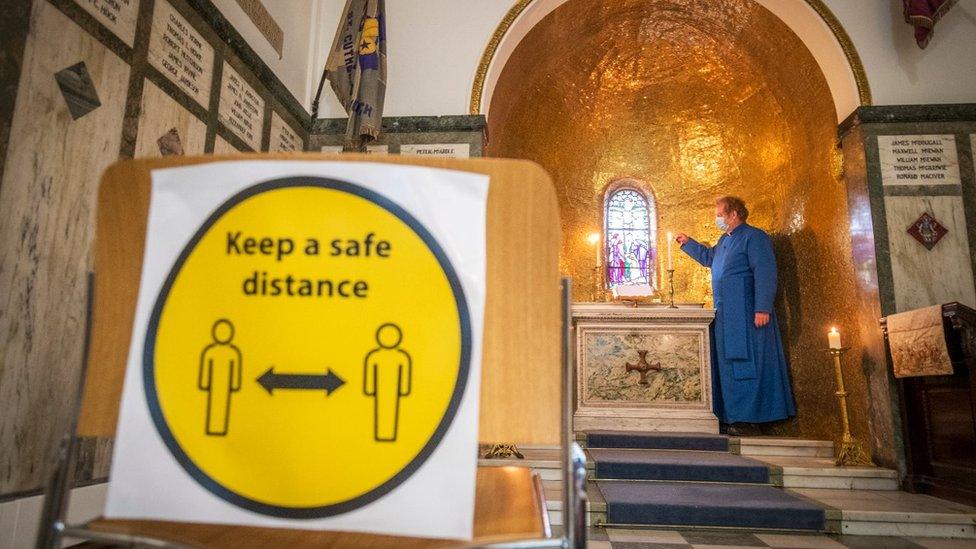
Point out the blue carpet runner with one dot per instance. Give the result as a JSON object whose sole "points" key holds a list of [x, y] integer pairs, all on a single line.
{"points": [[658, 441], [671, 465], [697, 483], [725, 505]]}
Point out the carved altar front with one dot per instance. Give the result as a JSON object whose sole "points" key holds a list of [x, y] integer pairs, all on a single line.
{"points": [[644, 368]]}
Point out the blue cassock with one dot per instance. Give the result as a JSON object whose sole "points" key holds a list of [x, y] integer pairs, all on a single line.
{"points": [[750, 379]]}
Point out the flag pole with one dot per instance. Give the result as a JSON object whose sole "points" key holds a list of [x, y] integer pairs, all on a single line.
{"points": [[318, 95]]}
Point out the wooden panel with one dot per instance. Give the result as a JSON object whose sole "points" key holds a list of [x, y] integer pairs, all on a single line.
{"points": [[161, 114], [939, 416], [47, 207], [507, 507], [521, 371]]}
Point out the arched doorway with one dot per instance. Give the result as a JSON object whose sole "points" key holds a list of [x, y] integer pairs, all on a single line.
{"points": [[703, 99]]}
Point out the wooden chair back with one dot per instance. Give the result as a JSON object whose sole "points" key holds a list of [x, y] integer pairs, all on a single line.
{"points": [[521, 368]]}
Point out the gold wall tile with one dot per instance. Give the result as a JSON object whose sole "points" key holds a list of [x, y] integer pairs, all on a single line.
{"points": [[694, 100]]}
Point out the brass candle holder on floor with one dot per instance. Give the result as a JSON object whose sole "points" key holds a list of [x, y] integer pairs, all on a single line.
{"points": [[503, 451], [671, 304], [851, 452]]}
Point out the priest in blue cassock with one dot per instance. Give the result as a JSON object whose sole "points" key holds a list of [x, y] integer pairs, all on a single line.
{"points": [[750, 379]]}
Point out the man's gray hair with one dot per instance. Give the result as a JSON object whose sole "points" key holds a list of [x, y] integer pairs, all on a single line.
{"points": [[734, 204]]}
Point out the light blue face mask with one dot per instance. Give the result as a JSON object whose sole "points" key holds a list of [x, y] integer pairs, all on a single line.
{"points": [[721, 224]]}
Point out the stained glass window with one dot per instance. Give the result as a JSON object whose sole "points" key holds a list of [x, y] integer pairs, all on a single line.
{"points": [[631, 223]]}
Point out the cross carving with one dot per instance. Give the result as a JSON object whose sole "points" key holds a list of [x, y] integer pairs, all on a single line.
{"points": [[642, 367]]}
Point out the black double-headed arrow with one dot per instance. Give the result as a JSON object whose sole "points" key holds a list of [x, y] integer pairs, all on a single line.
{"points": [[328, 382]]}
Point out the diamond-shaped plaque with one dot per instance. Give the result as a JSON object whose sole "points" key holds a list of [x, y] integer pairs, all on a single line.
{"points": [[78, 90], [169, 144], [927, 231]]}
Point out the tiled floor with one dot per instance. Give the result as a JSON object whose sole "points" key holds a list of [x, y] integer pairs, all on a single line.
{"points": [[617, 538]]}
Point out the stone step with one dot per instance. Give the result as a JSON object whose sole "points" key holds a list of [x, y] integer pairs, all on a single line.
{"points": [[657, 441], [785, 471], [733, 505], [544, 460], [850, 512], [596, 507], [684, 465], [774, 446], [894, 513], [812, 472]]}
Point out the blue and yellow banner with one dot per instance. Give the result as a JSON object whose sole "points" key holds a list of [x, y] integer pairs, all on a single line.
{"points": [[356, 67]]}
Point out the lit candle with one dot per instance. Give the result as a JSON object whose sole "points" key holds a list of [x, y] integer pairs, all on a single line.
{"points": [[670, 262], [833, 338], [594, 239]]}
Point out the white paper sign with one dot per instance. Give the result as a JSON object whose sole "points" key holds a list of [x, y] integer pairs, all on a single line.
{"points": [[276, 381]]}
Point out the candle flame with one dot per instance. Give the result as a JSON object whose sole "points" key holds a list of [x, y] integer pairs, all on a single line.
{"points": [[833, 329], [593, 238]]}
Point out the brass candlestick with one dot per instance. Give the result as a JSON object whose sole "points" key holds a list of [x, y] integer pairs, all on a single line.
{"points": [[851, 452], [671, 285]]}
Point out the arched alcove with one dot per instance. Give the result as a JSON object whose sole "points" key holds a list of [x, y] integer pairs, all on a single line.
{"points": [[702, 99], [811, 20]]}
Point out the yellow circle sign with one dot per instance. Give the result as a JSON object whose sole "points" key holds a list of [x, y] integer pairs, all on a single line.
{"points": [[308, 350]]}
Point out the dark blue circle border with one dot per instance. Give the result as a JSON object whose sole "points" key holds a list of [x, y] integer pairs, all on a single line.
{"points": [[426, 451]]}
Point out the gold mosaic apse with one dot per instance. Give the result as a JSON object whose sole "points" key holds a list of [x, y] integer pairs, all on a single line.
{"points": [[693, 99]]}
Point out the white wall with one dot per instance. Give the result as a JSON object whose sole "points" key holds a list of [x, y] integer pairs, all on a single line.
{"points": [[20, 518], [433, 51], [298, 20], [435, 46], [899, 72]]}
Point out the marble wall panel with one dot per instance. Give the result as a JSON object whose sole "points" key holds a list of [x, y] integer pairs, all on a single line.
{"points": [[452, 150], [870, 385], [283, 138], [118, 16], [222, 146], [241, 108], [925, 277], [47, 202], [181, 53], [606, 355], [160, 115], [408, 134]]}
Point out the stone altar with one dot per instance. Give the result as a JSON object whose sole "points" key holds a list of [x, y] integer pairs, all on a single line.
{"points": [[644, 368]]}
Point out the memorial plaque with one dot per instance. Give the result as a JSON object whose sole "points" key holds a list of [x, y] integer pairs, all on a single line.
{"points": [[178, 51], [283, 138], [331, 148], [118, 16], [241, 108], [918, 160], [452, 150], [377, 149]]}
